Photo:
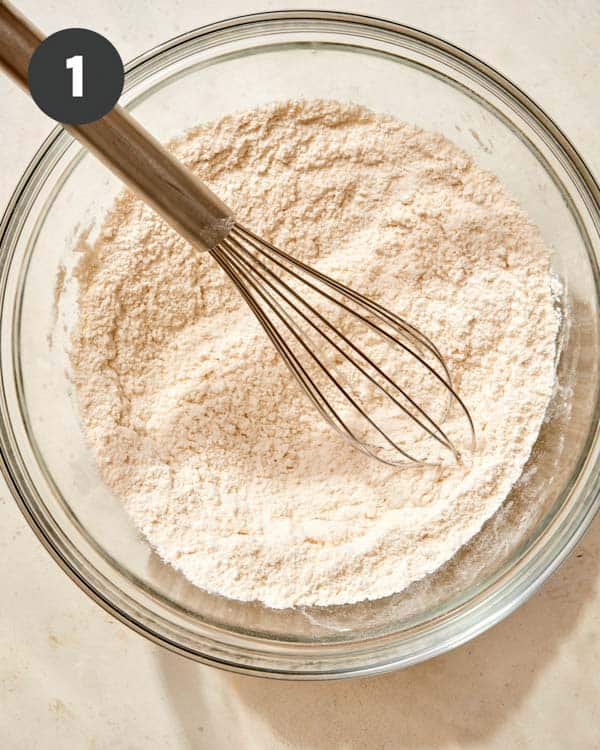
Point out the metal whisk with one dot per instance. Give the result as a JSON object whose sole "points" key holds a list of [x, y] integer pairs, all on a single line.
{"points": [[296, 305], [375, 378]]}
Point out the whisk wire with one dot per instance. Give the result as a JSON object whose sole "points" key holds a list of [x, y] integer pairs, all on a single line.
{"points": [[251, 263], [261, 246], [442, 437]]}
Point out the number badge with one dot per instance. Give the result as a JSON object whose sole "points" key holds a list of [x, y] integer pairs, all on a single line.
{"points": [[76, 76]]}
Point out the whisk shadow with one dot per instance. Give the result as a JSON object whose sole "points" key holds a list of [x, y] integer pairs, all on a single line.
{"points": [[457, 699]]}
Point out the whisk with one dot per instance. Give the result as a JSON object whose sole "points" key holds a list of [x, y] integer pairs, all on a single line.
{"points": [[374, 377]]}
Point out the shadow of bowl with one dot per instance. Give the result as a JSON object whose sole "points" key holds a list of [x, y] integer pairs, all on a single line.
{"points": [[463, 697]]}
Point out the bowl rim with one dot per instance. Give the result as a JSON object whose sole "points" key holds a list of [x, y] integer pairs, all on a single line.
{"points": [[504, 592]]}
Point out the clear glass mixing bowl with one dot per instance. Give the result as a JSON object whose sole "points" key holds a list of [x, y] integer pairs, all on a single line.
{"points": [[203, 75]]}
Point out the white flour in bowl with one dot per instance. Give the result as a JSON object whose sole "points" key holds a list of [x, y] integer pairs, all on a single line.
{"points": [[198, 426]]}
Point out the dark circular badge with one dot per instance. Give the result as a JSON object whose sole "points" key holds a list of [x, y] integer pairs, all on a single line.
{"points": [[76, 76]]}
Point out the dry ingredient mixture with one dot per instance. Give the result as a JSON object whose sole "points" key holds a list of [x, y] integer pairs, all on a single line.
{"points": [[197, 425]]}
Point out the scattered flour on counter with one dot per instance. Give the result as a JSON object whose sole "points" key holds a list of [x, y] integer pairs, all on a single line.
{"points": [[197, 425]]}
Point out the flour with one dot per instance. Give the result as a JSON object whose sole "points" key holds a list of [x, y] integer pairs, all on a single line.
{"points": [[195, 422]]}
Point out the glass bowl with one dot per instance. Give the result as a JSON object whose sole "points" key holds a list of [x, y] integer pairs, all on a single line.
{"points": [[49, 468]]}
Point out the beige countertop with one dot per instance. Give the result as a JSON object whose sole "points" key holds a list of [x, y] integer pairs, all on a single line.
{"points": [[73, 677]]}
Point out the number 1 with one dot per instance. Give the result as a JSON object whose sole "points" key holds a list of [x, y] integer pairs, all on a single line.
{"points": [[76, 65]]}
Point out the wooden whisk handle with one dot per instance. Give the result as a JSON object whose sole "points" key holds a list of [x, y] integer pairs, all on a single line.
{"points": [[124, 146]]}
